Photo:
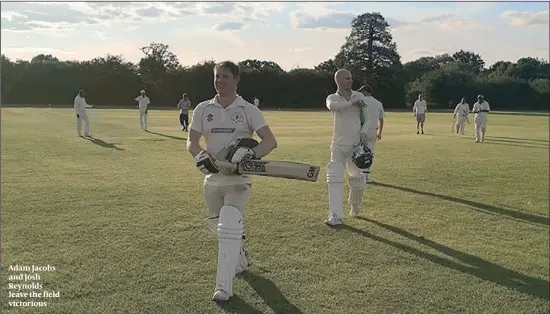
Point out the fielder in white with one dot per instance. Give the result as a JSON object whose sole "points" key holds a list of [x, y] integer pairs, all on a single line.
{"points": [[222, 120], [346, 106], [256, 102], [419, 110], [375, 123], [461, 115], [80, 106], [143, 102], [481, 109]]}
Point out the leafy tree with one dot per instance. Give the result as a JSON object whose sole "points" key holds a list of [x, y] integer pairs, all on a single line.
{"points": [[470, 58]]}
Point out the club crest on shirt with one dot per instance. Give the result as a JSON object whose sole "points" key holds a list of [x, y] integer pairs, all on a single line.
{"points": [[237, 117], [209, 117]]}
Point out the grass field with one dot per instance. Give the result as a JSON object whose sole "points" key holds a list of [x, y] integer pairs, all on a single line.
{"points": [[449, 227]]}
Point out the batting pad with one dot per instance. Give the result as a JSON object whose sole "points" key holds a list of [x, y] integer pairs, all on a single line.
{"points": [[335, 172], [230, 233], [356, 190]]}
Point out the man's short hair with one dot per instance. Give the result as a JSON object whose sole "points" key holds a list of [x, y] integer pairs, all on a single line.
{"points": [[231, 66]]}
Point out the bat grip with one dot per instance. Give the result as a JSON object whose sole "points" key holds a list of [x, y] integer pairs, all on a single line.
{"points": [[228, 165]]}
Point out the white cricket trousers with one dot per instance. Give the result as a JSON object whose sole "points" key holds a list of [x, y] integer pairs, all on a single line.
{"points": [[480, 127], [143, 118], [340, 163], [82, 116], [460, 124], [371, 142], [230, 195]]}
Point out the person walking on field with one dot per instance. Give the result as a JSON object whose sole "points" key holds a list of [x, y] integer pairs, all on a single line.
{"points": [[184, 105], [461, 115], [143, 102], [481, 109], [419, 110], [80, 107]]}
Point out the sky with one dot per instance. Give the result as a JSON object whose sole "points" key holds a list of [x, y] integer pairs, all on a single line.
{"points": [[292, 34]]}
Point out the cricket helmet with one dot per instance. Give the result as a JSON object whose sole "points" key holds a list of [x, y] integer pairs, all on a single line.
{"points": [[361, 156]]}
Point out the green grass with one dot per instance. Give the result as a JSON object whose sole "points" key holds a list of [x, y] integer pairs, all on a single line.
{"points": [[450, 227]]}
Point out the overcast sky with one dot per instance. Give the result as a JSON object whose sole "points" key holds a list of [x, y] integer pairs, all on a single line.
{"points": [[291, 34]]}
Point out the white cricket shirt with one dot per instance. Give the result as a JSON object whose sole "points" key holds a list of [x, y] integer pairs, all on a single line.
{"points": [[143, 102], [375, 112], [346, 119], [221, 126], [420, 106], [481, 106], [80, 104], [462, 109]]}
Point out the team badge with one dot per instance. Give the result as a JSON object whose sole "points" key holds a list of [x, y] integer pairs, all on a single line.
{"points": [[209, 117], [237, 117]]}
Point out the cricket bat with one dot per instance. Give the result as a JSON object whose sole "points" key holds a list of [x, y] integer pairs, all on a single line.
{"points": [[274, 168]]}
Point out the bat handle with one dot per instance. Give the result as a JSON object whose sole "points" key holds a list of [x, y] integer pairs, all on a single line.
{"points": [[228, 165]]}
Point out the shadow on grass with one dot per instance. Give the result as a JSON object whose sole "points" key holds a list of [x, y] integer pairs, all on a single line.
{"points": [[474, 265], [527, 217], [169, 136], [529, 145], [103, 143], [267, 290], [521, 140]]}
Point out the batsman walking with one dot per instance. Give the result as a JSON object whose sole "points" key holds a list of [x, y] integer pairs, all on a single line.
{"points": [[347, 107], [461, 115], [223, 120]]}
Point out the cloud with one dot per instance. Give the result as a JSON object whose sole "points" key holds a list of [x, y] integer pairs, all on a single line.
{"points": [[24, 49], [445, 22], [516, 18], [329, 20], [228, 26], [299, 49]]}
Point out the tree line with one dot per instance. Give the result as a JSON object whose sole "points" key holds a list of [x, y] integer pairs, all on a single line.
{"points": [[368, 52]]}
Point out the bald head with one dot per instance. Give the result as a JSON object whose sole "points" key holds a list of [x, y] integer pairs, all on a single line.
{"points": [[343, 80]]}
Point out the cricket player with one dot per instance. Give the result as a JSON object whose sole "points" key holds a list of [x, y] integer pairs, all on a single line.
{"points": [[481, 109], [375, 123], [184, 104], [256, 102], [143, 102], [347, 107], [419, 109], [80, 106], [221, 121], [461, 114]]}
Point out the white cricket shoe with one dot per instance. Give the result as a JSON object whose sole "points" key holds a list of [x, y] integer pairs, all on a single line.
{"points": [[333, 221], [244, 261], [220, 296]]}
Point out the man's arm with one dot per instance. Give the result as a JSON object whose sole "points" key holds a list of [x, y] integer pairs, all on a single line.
{"points": [[335, 104], [193, 145], [414, 107], [267, 143]]}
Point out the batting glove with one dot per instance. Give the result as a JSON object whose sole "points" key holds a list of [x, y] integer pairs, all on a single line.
{"points": [[241, 154], [206, 163]]}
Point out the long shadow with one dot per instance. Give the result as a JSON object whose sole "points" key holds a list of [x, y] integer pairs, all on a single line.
{"points": [[103, 143], [517, 139], [271, 295], [532, 145], [474, 265], [169, 136], [528, 217], [527, 114], [267, 290], [514, 141]]}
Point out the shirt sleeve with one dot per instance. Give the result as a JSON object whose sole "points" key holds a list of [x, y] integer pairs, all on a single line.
{"points": [[137, 98], [257, 120], [196, 120], [334, 103]]}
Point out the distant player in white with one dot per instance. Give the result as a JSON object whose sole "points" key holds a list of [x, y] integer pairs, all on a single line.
{"points": [[346, 106], [461, 114], [184, 105], [143, 102], [222, 120], [256, 102], [481, 109], [80, 106], [375, 123], [419, 110]]}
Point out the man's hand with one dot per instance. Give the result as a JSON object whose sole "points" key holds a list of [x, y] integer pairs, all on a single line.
{"points": [[378, 136], [206, 163], [363, 138], [241, 154]]}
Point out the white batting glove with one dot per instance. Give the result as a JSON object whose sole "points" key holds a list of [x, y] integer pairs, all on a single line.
{"points": [[206, 163], [243, 153]]}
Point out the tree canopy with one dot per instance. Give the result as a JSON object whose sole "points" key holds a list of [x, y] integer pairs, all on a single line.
{"points": [[369, 52]]}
